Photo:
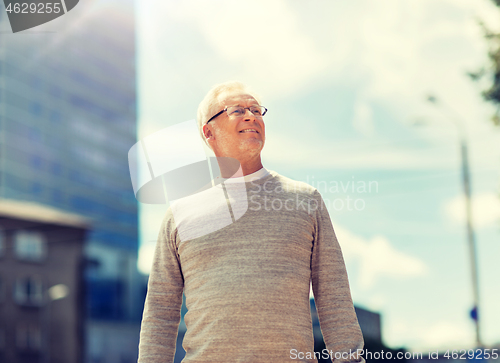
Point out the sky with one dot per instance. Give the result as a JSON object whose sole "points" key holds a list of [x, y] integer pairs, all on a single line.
{"points": [[346, 85]]}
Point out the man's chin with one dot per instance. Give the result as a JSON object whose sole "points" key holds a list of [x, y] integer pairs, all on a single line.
{"points": [[254, 144]]}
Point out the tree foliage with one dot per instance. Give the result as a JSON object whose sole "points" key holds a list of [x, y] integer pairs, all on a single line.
{"points": [[492, 94]]}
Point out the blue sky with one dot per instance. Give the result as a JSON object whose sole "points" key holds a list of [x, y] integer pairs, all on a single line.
{"points": [[346, 84]]}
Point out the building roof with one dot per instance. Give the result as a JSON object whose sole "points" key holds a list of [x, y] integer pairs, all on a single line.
{"points": [[36, 212]]}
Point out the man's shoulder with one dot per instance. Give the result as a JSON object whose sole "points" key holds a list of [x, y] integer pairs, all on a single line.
{"points": [[168, 221], [291, 185]]}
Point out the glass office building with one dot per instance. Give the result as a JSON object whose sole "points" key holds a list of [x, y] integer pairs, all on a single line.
{"points": [[67, 120]]}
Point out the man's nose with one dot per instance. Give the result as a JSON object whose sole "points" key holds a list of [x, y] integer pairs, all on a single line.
{"points": [[248, 115]]}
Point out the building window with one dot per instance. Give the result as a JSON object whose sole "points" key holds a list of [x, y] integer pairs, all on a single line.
{"points": [[36, 188], [55, 116], [36, 108], [28, 337], [30, 245], [56, 168], [36, 161], [106, 298], [29, 291]]}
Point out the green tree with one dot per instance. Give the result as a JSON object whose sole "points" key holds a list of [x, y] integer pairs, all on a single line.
{"points": [[492, 94]]}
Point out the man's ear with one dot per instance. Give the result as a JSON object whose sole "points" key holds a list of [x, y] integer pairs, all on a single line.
{"points": [[207, 132]]}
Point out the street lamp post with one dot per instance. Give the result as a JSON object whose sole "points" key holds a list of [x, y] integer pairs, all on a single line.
{"points": [[469, 226]]}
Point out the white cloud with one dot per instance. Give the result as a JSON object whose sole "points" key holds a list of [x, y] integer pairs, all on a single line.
{"points": [[396, 52], [485, 209], [355, 154], [421, 337], [260, 39], [447, 335], [363, 117], [378, 258], [377, 302]]}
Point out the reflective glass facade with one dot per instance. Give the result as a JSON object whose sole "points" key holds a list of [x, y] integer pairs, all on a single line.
{"points": [[67, 120]]}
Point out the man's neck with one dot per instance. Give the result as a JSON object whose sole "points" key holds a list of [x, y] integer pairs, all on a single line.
{"points": [[247, 167], [251, 168]]}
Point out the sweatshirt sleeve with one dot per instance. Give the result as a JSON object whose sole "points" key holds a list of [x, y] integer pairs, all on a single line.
{"points": [[161, 315], [332, 295]]}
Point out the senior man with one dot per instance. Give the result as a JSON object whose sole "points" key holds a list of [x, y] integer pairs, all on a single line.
{"points": [[247, 284]]}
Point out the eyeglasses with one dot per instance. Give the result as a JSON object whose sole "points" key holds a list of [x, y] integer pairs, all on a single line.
{"points": [[237, 111]]}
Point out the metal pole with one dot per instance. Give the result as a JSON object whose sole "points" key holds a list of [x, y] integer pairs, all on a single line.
{"points": [[475, 313], [470, 237]]}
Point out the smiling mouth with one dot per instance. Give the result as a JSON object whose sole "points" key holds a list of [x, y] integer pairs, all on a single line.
{"points": [[249, 130]]}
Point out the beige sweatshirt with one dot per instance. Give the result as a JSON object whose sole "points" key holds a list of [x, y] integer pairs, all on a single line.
{"points": [[247, 283]]}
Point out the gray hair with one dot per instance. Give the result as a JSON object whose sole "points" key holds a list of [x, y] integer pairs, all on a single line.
{"points": [[205, 109]]}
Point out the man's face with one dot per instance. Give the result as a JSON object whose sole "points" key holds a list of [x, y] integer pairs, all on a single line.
{"points": [[238, 137]]}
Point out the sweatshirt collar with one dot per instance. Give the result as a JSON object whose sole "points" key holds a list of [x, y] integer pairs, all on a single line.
{"points": [[259, 174]]}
